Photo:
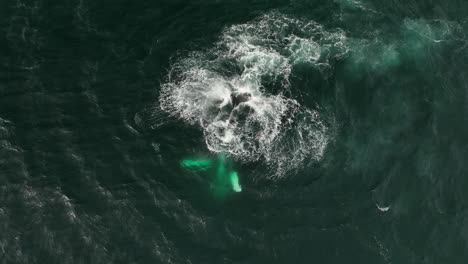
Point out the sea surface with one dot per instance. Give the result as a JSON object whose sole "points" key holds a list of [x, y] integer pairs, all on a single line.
{"points": [[234, 131]]}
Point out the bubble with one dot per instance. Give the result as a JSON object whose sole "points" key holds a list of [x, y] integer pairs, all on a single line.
{"points": [[376, 56], [414, 42]]}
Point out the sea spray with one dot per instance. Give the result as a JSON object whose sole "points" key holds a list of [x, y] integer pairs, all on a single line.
{"points": [[257, 59]]}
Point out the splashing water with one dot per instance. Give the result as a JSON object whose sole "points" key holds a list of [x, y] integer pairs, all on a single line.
{"points": [[236, 91]]}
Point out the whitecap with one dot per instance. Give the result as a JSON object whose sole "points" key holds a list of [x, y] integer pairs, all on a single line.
{"points": [[384, 208]]}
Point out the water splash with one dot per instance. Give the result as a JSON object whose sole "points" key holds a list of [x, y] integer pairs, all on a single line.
{"points": [[255, 59]]}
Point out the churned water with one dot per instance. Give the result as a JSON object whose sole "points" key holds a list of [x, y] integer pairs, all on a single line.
{"points": [[301, 131]]}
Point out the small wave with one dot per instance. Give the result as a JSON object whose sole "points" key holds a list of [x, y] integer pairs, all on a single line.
{"points": [[236, 91]]}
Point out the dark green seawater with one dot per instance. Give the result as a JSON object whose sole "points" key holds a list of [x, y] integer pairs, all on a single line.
{"points": [[264, 131]]}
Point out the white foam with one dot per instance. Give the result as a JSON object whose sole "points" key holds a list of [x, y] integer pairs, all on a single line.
{"points": [[269, 126], [384, 208]]}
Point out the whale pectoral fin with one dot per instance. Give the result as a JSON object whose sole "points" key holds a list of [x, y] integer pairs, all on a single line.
{"points": [[198, 165], [234, 179]]}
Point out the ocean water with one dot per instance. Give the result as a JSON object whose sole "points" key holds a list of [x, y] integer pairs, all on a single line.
{"points": [[235, 131]]}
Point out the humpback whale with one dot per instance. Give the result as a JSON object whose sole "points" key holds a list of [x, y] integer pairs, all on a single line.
{"points": [[236, 99], [239, 111]]}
